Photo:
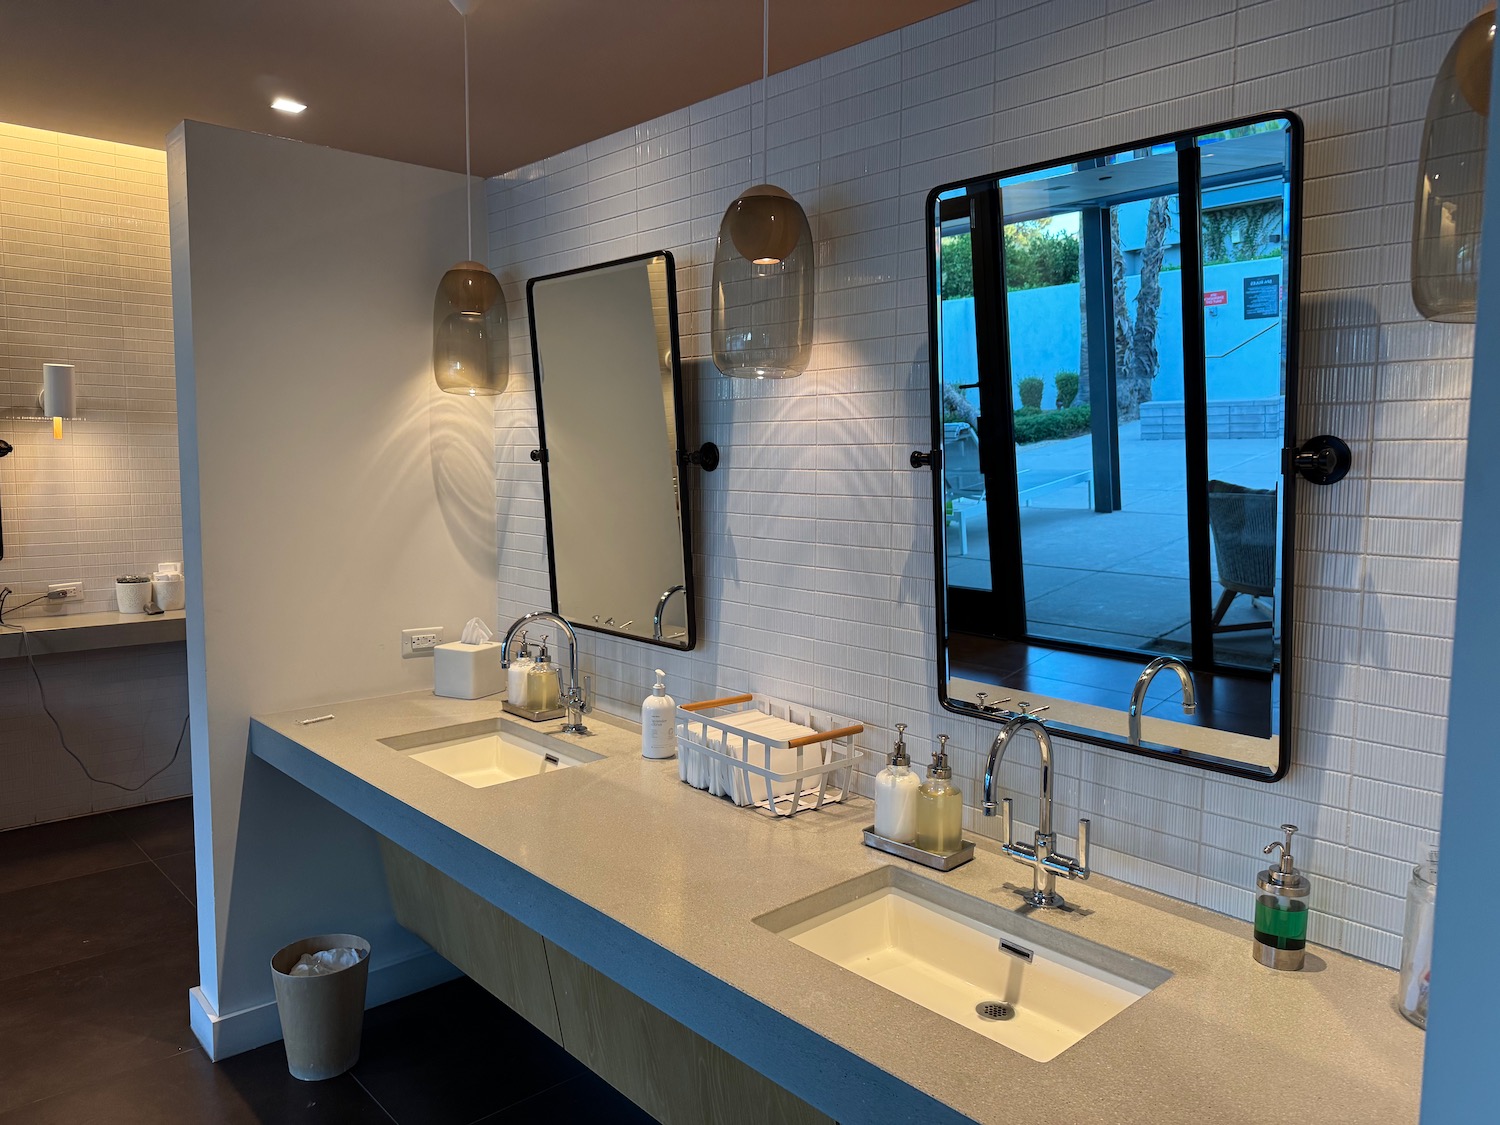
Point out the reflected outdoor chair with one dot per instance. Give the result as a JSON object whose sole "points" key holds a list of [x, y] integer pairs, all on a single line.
{"points": [[1243, 523], [963, 483], [962, 479]]}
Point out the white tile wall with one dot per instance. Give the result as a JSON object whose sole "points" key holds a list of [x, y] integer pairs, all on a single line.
{"points": [[85, 279], [813, 548]]}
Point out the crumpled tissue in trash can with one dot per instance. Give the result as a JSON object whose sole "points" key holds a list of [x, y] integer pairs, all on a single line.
{"points": [[323, 962]]}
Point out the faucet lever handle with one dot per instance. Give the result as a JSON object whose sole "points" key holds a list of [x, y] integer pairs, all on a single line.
{"points": [[586, 696], [1082, 862], [1005, 821]]}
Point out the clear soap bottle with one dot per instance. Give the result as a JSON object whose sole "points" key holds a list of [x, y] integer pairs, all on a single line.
{"points": [[896, 789], [940, 807], [542, 691], [1281, 909]]}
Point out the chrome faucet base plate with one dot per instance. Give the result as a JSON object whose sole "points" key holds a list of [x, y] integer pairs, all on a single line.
{"points": [[1044, 901]]}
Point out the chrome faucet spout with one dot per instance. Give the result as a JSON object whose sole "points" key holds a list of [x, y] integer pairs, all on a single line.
{"points": [[1148, 673], [661, 609], [1041, 854], [577, 696]]}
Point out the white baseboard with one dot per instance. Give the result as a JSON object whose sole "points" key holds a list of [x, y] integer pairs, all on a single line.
{"points": [[235, 1032]]}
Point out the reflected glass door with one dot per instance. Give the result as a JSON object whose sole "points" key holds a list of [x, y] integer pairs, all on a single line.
{"points": [[1101, 486], [1104, 537]]}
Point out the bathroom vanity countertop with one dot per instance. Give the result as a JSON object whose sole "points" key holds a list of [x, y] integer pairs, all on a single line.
{"points": [[657, 885], [81, 632]]}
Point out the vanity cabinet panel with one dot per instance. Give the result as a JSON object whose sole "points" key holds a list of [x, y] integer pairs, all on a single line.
{"points": [[504, 957], [674, 1074]]}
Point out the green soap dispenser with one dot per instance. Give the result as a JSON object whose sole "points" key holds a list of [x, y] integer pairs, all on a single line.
{"points": [[1281, 909]]}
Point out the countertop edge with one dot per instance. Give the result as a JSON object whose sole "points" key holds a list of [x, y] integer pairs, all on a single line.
{"points": [[824, 1074], [87, 632]]}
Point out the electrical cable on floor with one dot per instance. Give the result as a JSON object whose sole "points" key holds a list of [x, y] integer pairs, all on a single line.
{"points": [[5, 592]]}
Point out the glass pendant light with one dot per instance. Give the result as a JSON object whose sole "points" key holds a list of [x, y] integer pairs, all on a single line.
{"points": [[1450, 186], [762, 319], [470, 332]]}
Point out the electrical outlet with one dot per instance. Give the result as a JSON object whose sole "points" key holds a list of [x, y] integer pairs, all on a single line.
{"points": [[420, 642], [58, 591]]}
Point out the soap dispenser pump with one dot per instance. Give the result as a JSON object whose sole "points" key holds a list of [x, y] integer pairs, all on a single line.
{"points": [[659, 721], [1281, 909], [542, 685], [896, 795], [940, 808], [520, 667]]}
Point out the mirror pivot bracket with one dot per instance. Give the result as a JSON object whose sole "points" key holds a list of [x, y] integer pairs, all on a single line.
{"points": [[1324, 459], [706, 457], [538, 454], [931, 458]]}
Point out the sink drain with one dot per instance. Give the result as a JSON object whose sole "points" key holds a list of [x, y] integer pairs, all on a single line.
{"points": [[994, 1010]]}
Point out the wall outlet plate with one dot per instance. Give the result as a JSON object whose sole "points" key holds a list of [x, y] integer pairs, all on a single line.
{"points": [[58, 591], [420, 642]]}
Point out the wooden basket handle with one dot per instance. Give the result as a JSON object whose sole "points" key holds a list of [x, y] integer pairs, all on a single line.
{"points": [[825, 736], [710, 704]]}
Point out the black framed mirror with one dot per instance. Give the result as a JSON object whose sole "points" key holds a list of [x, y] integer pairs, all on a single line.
{"points": [[614, 470], [1113, 358]]}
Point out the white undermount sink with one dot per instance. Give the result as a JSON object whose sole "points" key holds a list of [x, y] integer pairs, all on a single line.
{"points": [[1024, 984], [489, 752]]}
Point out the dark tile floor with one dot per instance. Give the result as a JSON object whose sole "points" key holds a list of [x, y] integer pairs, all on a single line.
{"points": [[98, 949]]}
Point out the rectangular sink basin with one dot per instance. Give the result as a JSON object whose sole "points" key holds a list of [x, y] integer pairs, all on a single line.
{"points": [[1008, 977], [488, 752]]}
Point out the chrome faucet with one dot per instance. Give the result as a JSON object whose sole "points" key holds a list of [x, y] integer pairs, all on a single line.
{"points": [[661, 609], [1041, 854], [577, 698], [1148, 673]]}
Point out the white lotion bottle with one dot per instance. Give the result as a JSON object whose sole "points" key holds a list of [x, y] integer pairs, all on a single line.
{"points": [[515, 683], [659, 721], [896, 789]]}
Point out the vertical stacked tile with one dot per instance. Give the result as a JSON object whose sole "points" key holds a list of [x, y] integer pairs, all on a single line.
{"points": [[814, 543]]}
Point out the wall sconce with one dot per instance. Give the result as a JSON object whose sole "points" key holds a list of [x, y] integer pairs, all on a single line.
{"points": [[59, 397], [762, 293], [470, 334], [1450, 181], [6, 449]]}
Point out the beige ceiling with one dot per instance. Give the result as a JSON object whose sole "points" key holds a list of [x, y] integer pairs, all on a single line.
{"points": [[385, 77]]}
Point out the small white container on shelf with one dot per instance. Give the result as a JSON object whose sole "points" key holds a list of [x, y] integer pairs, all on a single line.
{"points": [[167, 586], [779, 757], [132, 593]]}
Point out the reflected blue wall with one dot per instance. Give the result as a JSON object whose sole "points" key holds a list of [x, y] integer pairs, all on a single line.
{"points": [[1244, 355]]}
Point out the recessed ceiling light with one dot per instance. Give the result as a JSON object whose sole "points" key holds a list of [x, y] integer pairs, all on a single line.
{"points": [[287, 105]]}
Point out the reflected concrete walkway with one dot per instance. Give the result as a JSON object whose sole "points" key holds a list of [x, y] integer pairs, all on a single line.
{"points": [[1118, 579]]}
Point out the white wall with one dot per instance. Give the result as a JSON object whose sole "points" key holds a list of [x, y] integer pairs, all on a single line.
{"points": [[332, 496], [1458, 1079], [814, 545]]}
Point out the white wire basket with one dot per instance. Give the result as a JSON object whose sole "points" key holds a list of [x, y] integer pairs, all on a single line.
{"points": [[765, 753]]}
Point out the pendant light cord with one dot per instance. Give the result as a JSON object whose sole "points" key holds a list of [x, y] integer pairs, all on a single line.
{"points": [[765, 74], [468, 175]]}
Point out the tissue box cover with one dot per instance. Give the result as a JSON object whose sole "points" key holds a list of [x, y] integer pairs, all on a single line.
{"points": [[463, 671]]}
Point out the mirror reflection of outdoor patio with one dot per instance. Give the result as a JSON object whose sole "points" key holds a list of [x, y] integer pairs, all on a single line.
{"points": [[1113, 485]]}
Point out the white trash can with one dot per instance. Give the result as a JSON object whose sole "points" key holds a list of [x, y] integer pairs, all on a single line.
{"points": [[322, 1015]]}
